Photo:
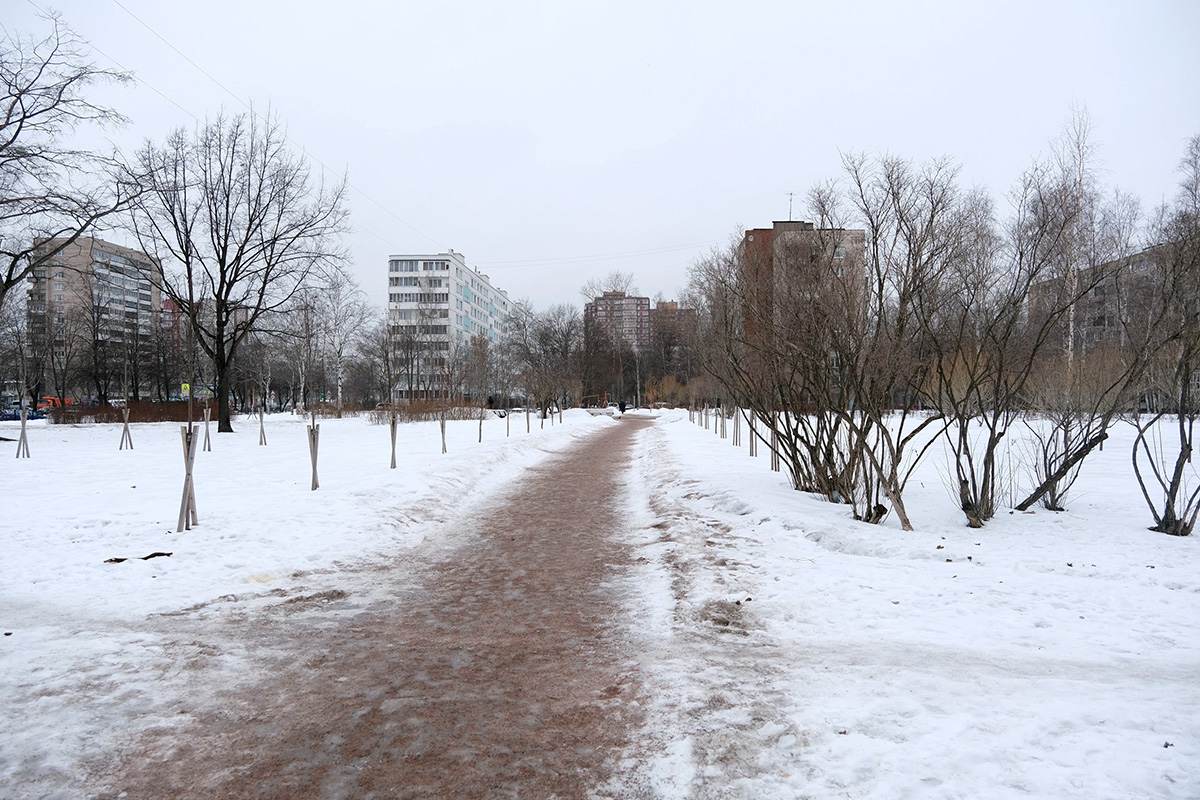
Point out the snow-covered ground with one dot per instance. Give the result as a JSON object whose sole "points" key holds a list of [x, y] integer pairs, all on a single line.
{"points": [[1047, 655], [86, 659], [788, 651]]}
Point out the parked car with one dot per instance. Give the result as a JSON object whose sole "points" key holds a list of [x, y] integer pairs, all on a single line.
{"points": [[13, 414]]}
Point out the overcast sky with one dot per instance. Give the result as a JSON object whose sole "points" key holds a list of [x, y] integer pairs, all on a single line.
{"points": [[555, 142]]}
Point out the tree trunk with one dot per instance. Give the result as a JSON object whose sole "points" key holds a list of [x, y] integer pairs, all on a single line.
{"points": [[224, 422], [1052, 480], [968, 505]]}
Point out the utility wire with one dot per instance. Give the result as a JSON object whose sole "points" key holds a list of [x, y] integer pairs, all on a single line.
{"points": [[125, 69], [251, 109], [495, 264], [531, 262]]}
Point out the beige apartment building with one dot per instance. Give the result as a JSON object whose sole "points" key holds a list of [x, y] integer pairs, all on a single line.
{"points": [[94, 298]]}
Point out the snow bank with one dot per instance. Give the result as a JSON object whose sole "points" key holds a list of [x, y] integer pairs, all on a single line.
{"points": [[808, 655], [86, 658]]}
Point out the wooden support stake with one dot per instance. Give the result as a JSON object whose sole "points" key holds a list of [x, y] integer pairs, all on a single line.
{"points": [[207, 417], [527, 428], [481, 430], [262, 431], [393, 426], [774, 449], [443, 423], [737, 429], [723, 421], [508, 424], [187, 505], [23, 442], [126, 438], [314, 438], [753, 437]]}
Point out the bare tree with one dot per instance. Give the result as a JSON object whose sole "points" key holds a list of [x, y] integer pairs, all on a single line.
{"points": [[914, 231], [48, 189], [345, 311], [168, 354], [1078, 395], [102, 319], [376, 349], [1167, 468], [615, 281], [298, 339], [548, 345], [65, 349], [239, 225], [765, 344], [1000, 331], [15, 350]]}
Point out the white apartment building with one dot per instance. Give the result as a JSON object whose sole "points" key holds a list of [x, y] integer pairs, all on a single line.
{"points": [[436, 305]]}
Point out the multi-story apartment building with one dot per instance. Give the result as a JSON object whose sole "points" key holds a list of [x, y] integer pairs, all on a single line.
{"points": [[436, 306], [794, 263], [92, 312], [624, 318], [1120, 295], [795, 280], [671, 328]]}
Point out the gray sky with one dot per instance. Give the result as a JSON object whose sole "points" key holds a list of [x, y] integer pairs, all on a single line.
{"points": [[554, 142]]}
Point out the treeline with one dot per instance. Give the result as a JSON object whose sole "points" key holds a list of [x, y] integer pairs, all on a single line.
{"points": [[914, 311]]}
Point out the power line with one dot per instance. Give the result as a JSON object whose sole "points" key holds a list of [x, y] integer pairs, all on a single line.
{"points": [[532, 262], [125, 69], [579, 259], [249, 107]]}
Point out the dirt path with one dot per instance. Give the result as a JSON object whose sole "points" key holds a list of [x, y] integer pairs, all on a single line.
{"points": [[497, 670]]}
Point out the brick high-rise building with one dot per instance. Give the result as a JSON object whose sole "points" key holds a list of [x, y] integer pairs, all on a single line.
{"points": [[796, 262], [626, 319]]}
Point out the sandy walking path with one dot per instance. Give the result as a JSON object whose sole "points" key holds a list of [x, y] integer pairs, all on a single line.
{"points": [[496, 670]]}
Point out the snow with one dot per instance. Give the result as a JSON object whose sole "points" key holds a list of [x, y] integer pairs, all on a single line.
{"points": [[1046, 655], [786, 650]]}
